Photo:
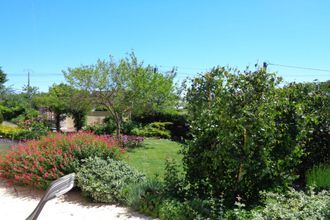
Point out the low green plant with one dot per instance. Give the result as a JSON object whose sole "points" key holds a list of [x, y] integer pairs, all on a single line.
{"points": [[319, 176], [128, 126], [155, 129], [295, 205], [210, 208], [103, 180], [290, 205], [145, 197], [172, 209], [13, 133]]}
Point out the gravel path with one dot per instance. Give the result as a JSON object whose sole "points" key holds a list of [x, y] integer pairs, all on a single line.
{"points": [[20, 203]]}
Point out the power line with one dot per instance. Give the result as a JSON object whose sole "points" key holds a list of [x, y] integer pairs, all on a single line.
{"points": [[299, 67]]}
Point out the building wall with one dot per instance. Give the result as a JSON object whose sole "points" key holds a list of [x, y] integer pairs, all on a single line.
{"points": [[92, 118]]}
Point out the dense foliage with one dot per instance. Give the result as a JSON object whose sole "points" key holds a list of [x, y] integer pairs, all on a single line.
{"points": [[313, 100], [125, 87], [154, 129], [38, 162], [242, 141], [178, 128], [10, 112], [290, 205], [63, 100], [13, 133], [145, 196], [102, 180]]}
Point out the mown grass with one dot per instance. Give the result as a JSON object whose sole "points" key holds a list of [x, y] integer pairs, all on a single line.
{"points": [[319, 176], [150, 159]]}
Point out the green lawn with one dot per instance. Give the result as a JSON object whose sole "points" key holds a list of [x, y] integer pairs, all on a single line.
{"points": [[150, 159]]}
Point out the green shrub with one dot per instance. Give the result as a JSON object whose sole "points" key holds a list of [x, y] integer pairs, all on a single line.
{"points": [[108, 127], [145, 196], [10, 113], [179, 128], [13, 133], [319, 176], [242, 141], [173, 210], [103, 180], [290, 205], [315, 97], [155, 129], [191, 209], [128, 126], [295, 205]]}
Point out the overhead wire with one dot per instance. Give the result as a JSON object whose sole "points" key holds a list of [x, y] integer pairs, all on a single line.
{"points": [[299, 67]]}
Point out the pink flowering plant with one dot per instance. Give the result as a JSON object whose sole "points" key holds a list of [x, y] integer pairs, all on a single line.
{"points": [[127, 141], [38, 162]]}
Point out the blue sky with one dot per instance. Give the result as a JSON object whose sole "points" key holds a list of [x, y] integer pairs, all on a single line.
{"points": [[46, 37]]}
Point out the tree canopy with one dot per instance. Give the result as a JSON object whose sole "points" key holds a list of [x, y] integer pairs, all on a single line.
{"points": [[125, 87]]}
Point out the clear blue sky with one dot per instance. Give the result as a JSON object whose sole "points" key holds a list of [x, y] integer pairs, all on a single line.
{"points": [[46, 37]]}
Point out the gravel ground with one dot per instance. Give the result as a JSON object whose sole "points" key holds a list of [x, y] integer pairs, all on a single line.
{"points": [[18, 203]]}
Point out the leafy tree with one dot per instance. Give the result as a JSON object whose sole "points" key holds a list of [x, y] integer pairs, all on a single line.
{"points": [[2, 81], [78, 107], [3, 76], [313, 100], [65, 100], [123, 87], [56, 100], [242, 142], [19, 106]]}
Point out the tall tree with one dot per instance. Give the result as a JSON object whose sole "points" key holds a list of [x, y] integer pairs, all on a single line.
{"points": [[3, 76], [3, 79], [56, 100], [123, 87], [65, 100]]}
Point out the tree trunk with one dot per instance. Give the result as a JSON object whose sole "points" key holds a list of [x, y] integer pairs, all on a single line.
{"points": [[118, 123], [58, 121]]}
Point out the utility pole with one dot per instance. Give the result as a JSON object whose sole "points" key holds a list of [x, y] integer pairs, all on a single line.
{"points": [[28, 86], [265, 66], [28, 80]]}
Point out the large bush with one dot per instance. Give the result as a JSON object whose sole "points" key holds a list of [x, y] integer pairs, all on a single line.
{"points": [[108, 127], [241, 141], [11, 112], [314, 99], [179, 128], [102, 180], [38, 162], [13, 133], [155, 129]]}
